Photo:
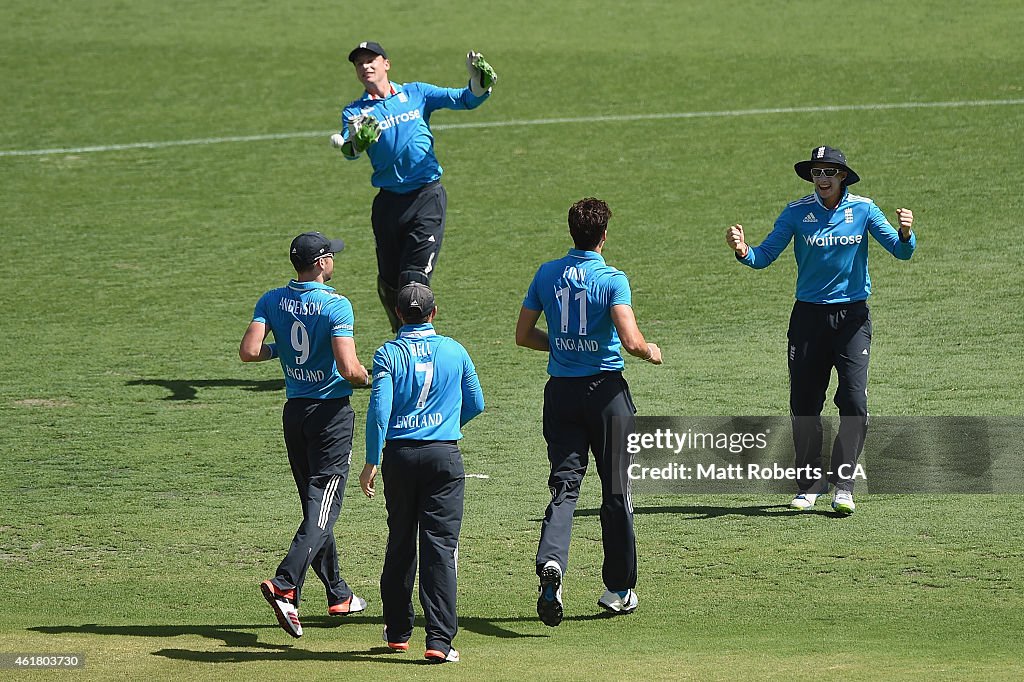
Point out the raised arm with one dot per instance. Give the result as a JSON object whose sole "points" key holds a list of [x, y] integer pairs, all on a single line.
{"points": [[764, 254], [900, 243]]}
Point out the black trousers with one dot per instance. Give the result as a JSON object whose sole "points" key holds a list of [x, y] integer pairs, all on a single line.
{"points": [[822, 337], [424, 485], [318, 436], [408, 230], [578, 418]]}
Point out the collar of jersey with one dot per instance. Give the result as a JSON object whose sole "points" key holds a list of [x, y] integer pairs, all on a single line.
{"points": [[842, 201], [395, 87], [415, 331], [586, 255], [307, 286]]}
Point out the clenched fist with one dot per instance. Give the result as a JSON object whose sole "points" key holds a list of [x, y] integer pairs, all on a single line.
{"points": [[905, 217], [734, 238]]}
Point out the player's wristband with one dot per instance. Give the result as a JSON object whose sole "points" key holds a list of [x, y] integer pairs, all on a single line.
{"points": [[650, 353], [273, 350]]}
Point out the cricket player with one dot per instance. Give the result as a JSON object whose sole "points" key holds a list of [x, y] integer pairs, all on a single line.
{"points": [[830, 325], [312, 327], [588, 308], [425, 389], [391, 123]]}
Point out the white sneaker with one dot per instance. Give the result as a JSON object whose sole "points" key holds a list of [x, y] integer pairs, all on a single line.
{"points": [[842, 502], [549, 603], [619, 602], [803, 501], [435, 656]]}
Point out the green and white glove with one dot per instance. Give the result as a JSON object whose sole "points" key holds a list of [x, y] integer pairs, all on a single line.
{"points": [[481, 75], [363, 130]]}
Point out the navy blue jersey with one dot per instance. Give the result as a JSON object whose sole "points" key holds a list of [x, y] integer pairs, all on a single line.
{"points": [[304, 316], [831, 247], [403, 158], [425, 387], [577, 293]]}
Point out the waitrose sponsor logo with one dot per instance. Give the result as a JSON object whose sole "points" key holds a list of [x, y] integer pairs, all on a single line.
{"points": [[834, 240]]}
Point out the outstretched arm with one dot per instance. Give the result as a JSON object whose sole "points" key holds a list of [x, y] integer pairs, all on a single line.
{"points": [[481, 81]]}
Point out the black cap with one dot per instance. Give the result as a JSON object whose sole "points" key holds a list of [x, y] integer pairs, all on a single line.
{"points": [[309, 246], [825, 154], [415, 302], [370, 46]]}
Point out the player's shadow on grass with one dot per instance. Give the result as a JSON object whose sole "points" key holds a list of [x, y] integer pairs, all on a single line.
{"points": [[700, 512], [377, 655], [231, 635], [488, 627], [242, 640], [188, 389]]}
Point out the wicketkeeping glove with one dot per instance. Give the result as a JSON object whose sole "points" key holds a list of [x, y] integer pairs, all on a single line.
{"points": [[363, 130], [481, 75]]}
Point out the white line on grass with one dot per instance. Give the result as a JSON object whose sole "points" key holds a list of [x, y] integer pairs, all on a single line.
{"points": [[531, 122]]}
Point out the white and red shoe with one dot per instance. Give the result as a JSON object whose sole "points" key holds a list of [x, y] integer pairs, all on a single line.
{"points": [[437, 656], [394, 646], [283, 603], [353, 604]]}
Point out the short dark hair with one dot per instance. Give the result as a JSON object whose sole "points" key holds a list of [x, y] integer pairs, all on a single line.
{"points": [[588, 219], [302, 268]]}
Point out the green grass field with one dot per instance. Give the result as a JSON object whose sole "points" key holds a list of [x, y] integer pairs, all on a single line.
{"points": [[144, 489]]}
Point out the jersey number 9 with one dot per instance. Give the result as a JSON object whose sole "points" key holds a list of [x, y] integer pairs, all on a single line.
{"points": [[300, 342]]}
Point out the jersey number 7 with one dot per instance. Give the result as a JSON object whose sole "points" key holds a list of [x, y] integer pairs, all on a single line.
{"points": [[428, 371]]}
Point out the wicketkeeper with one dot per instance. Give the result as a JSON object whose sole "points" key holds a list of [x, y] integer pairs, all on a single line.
{"points": [[391, 123]]}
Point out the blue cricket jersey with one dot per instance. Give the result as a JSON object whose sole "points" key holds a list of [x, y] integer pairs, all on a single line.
{"points": [[425, 387], [403, 158], [304, 316], [831, 247], [577, 293]]}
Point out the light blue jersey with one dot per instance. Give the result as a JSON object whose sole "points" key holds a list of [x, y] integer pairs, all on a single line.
{"points": [[403, 158], [304, 316], [831, 247], [576, 294], [425, 387]]}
